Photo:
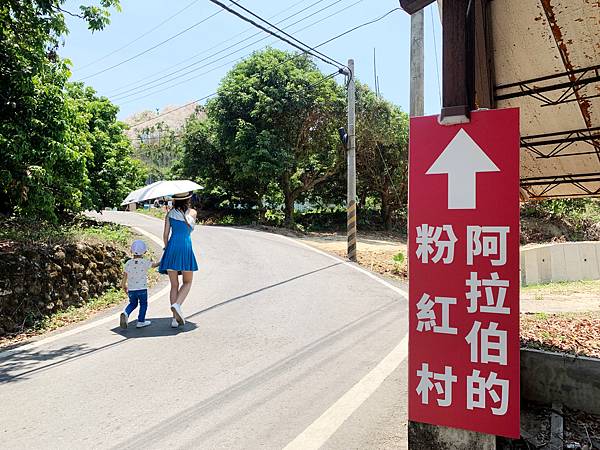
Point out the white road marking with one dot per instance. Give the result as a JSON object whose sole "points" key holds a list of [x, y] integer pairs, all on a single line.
{"points": [[149, 236], [327, 424], [317, 433], [354, 266]]}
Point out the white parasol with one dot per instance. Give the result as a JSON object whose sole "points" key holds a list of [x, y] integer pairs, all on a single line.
{"points": [[161, 189]]}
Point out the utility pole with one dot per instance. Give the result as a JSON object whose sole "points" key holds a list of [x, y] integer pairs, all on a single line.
{"points": [[351, 200], [417, 64]]}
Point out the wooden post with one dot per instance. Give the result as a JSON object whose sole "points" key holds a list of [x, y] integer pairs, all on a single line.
{"points": [[455, 78]]}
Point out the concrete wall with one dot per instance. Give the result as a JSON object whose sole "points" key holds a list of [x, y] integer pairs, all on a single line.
{"points": [[567, 261], [423, 436], [548, 378]]}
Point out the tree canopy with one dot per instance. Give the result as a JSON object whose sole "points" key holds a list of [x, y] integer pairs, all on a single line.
{"points": [[271, 139], [274, 123], [61, 145], [381, 152]]}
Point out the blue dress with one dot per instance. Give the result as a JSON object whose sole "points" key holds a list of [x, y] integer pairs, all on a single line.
{"points": [[179, 254]]}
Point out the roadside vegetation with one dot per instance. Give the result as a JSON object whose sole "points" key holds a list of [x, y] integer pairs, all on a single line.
{"points": [[62, 148], [266, 148], [25, 231], [562, 288], [36, 244], [574, 333]]}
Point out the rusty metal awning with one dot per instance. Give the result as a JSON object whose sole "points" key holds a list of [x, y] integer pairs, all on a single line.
{"points": [[542, 56], [547, 62]]}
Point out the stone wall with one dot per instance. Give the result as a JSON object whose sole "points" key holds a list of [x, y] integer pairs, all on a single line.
{"points": [[36, 280]]}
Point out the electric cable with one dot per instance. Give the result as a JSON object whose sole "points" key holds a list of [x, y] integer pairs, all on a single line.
{"points": [[130, 92], [156, 27], [312, 85], [143, 52], [298, 47], [284, 33], [294, 56], [437, 69], [202, 52]]}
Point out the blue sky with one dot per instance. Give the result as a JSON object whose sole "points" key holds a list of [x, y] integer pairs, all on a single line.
{"points": [[131, 85]]}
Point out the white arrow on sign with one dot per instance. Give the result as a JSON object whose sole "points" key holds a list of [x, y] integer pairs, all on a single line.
{"points": [[462, 159]]}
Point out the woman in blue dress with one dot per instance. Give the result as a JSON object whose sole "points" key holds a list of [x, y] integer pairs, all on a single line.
{"points": [[178, 256]]}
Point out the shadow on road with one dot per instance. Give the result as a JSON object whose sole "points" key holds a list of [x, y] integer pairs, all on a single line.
{"points": [[184, 419], [160, 327], [271, 286], [21, 364], [24, 363]]}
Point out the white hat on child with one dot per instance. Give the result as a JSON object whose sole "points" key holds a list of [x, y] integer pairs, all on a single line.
{"points": [[138, 247]]}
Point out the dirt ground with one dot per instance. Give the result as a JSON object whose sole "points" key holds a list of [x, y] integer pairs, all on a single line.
{"points": [[375, 251]]}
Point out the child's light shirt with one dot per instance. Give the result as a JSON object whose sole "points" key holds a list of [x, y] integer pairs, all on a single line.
{"points": [[137, 273]]}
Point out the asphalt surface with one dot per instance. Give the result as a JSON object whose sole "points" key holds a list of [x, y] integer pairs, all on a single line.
{"points": [[277, 333]]}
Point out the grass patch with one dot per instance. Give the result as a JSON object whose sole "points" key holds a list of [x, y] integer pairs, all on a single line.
{"points": [[81, 228], [561, 288], [114, 233], [152, 212]]}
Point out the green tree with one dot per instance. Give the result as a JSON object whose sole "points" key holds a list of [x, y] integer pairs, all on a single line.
{"points": [[158, 148], [44, 157], [109, 166], [275, 118], [381, 152]]}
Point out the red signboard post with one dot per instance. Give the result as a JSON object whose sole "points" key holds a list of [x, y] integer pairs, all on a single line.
{"points": [[464, 273]]}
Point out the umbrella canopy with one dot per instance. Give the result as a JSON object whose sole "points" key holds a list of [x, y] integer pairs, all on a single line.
{"points": [[133, 196], [160, 189]]}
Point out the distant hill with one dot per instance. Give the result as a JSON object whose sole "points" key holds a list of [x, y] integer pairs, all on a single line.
{"points": [[174, 120]]}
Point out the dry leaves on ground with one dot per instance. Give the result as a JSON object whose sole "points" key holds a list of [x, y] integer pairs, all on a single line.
{"points": [[577, 334]]}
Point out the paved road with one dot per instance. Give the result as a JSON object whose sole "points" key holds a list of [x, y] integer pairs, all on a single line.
{"points": [[282, 346]]}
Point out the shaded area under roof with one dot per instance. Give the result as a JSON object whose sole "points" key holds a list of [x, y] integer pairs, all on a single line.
{"points": [[546, 57], [542, 56]]}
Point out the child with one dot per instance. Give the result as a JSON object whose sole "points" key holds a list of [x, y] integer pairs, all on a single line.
{"points": [[135, 284]]}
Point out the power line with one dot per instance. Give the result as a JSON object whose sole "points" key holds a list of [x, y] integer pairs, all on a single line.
{"points": [[388, 173], [437, 69], [294, 56], [130, 92], [284, 33], [202, 52], [217, 2], [102, 58], [135, 125], [137, 55], [231, 61], [312, 85], [361, 25], [180, 83]]}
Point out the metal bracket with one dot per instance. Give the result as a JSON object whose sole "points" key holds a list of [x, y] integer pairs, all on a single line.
{"points": [[537, 87], [560, 141]]}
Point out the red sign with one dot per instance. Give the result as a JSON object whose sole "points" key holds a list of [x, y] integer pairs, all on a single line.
{"points": [[464, 273]]}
